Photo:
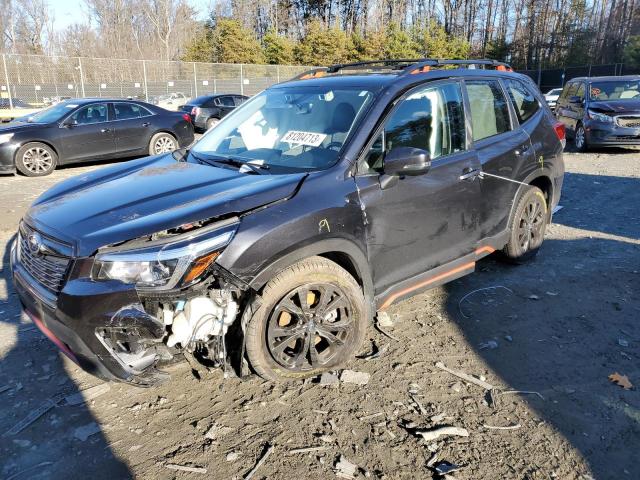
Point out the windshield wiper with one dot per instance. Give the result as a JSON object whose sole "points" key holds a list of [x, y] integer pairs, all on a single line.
{"points": [[225, 160]]}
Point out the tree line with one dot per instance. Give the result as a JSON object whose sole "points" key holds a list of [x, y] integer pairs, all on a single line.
{"points": [[525, 33]]}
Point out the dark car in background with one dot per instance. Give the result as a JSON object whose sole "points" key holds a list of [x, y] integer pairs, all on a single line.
{"points": [[206, 111], [601, 111], [90, 129]]}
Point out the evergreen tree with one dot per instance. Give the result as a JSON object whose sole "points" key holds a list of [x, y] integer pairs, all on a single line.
{"points": [[278, 49]]}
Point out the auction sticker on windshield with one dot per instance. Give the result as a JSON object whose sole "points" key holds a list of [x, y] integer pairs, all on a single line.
{"points": [[304, 138]]}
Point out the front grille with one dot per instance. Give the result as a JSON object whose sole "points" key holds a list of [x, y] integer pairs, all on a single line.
{"points": [[47, 269], [632, 122]]}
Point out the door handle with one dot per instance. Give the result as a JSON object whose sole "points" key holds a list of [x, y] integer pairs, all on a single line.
{"points": [[469, 173], [522, 149], [145, 124], [105, 130]]}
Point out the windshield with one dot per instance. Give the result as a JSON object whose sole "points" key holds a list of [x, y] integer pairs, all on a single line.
{"points": [[53, 113], [289, 129], [615, 90]]}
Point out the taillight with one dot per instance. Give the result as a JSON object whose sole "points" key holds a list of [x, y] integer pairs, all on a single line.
{"points": [[195, 111], [561, 133], [186, 117]]}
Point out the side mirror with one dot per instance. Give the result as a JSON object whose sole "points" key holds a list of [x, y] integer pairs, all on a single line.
{"points": [[576, 100], [409, 161], [68, 124]]}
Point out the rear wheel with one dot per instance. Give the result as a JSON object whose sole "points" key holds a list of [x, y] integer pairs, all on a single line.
{"points": [[212, 122], [36, 159], [312, 318], [528, 225], [580, 139], [162, 143]]}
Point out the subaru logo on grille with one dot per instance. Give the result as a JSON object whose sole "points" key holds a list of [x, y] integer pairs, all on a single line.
{"points": [[35, 243]]}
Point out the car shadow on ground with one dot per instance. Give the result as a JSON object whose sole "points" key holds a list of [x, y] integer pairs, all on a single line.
{"points": [[66, 441], [563, 323]]}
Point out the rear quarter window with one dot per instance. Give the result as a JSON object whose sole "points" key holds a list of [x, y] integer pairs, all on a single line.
{"points": [[523, 99]]}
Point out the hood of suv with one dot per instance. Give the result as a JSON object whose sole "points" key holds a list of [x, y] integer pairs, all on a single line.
{"points": [[616, 107], [145, 196]]}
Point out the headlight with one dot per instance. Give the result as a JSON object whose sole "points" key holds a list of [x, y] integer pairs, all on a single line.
{"points": [[599, 117], [162, 265], [5, 137]]}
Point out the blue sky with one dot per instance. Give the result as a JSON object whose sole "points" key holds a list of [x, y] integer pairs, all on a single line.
{"points": [[67, 12]]}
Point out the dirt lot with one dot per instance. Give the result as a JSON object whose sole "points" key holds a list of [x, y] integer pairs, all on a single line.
{"points": [[559, 327]]}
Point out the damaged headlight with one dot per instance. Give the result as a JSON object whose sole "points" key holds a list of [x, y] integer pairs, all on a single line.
{"points": [[163, 264], [599, 117]]}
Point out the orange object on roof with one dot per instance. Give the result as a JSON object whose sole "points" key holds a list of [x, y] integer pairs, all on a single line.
{"points": [[423, 69], [313, 75]]}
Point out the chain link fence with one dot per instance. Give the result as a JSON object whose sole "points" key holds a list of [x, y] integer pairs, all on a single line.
{"points": [[557, 77], [35, 81]]}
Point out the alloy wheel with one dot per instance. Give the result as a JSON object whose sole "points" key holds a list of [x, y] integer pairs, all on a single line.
{"points": [[164, 145], [37, 160], [580, 137], [310, 327], [531, 225]]}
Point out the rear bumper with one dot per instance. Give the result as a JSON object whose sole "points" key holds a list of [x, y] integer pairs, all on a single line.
{"points": [[81, 319]]}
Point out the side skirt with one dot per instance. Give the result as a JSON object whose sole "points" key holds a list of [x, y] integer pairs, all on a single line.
{"points": [[440, 275]]}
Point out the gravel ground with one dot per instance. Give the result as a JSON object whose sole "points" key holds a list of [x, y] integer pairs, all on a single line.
{"points": [[558, 326]]}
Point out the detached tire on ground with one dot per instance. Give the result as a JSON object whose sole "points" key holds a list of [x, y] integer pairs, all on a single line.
{"points": [[527, 226], [312, 318], [162, 143], [36, 159]]}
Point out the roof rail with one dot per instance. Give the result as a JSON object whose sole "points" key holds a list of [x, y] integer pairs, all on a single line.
{"points": [[424, 66], [408, 66]]}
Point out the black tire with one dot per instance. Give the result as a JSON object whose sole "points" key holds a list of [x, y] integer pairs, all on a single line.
{"points": [[580, 139], [36, 159], [212, 122], [527, 226], [279, 332], [162, 143]]}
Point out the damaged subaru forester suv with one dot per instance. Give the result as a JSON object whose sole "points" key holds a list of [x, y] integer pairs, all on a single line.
{"points": [[270, 244]]}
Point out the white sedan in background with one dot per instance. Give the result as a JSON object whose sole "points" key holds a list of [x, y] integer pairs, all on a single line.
{"points": [[552, 97]]}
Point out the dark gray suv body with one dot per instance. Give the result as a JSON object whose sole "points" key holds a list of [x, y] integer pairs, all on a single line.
{"points": [[276, 237]]}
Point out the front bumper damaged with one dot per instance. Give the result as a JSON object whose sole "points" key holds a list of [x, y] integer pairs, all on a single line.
{"points": [[102, 326]]}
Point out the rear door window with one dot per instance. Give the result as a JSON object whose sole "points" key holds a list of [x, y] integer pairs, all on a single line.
{"points": [[226, 101], [488, 108], [524, 101], [126, 111]]}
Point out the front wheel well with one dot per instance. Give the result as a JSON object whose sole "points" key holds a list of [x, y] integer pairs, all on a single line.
{"points": [[346, 262], [55, 150]]}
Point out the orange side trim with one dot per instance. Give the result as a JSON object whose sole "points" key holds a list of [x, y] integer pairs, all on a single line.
{"points": [[486, 249], [429, 281]]}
